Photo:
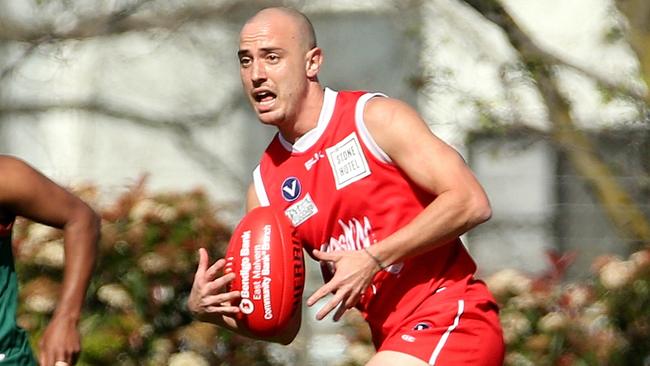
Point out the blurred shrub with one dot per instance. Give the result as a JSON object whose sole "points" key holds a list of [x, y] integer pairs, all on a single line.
{"points": [[135, 311], [135, 308], [601, 320]]}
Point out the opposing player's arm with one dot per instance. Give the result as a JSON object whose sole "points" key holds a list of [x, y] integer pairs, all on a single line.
{"points": [[26, 192], [460, 202]]}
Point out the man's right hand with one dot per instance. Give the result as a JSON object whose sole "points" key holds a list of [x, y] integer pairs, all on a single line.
{"points": [[208, 300]]}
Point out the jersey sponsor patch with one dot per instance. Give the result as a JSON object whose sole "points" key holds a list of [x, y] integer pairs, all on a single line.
{"points": [[347, 161], [300, 211], [290, 189]]}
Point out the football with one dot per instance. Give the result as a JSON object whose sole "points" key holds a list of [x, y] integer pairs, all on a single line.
{"points": [[270, 270]]}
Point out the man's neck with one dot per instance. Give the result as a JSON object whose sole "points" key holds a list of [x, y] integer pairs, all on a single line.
{"points": [[307, 119]]}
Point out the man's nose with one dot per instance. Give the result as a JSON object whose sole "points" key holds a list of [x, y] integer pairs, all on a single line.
{"points": [[258, 73]]}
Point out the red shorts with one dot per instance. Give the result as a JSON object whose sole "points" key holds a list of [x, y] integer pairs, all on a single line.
{"points": [[458, 325]]}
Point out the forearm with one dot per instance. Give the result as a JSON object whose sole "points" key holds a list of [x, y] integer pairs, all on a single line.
{"points": [[450, 215], [284, 336], [81, 234]]}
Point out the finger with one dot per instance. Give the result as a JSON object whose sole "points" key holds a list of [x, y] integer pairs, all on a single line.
{"points": [[320, 293], [214, 269], [203, 263], [45, 358], [349, 303], [61, 356], [221, 298], [43, 355], [343, 307], [325, 256], [327, 308], [216, 286], [223, 309]]}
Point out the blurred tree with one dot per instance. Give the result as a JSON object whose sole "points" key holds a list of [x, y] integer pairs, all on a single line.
{"points": [[637, 13], [62, 29], [62, 22], [542, 68]]}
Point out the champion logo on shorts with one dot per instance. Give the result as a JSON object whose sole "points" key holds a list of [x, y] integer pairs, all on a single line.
{"points": [[422, 326], [291, 189]]}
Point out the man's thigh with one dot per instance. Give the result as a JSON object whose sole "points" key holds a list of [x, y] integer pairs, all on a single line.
{"points": [[454, 333], [391, 358]]}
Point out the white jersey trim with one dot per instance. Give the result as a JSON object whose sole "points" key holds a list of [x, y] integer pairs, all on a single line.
{"points": [[443, 339], [306, 141], [366, 137], [262, 197]]}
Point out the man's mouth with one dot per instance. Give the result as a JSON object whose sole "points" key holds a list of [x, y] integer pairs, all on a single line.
{"points": [[264, 98]]}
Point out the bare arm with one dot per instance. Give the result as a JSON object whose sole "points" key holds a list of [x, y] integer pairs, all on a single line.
{"points": [[209, 302], [26, 192], [460, 202]]}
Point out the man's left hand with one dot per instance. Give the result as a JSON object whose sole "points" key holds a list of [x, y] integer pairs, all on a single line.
{"points": [[353, 274]]}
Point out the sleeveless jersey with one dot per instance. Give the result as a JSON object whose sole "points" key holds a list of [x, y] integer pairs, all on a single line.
{"points": [[342, 192], [14, 345]]}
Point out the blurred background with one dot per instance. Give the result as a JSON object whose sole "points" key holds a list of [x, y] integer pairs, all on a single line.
{"points": [[136, 105]]}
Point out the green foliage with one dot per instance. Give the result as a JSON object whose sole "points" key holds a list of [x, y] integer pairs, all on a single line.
{"points": [[135, 308], [135, 312], [614, 33], [602, 320]]}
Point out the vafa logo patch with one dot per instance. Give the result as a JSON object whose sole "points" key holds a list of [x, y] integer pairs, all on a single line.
{"points": [[291, 189]]}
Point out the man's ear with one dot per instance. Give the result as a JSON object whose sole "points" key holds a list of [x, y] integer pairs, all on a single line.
{"points": [[314, 58]]}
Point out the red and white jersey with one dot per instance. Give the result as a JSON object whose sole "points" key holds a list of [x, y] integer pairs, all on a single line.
{"points": [[342, 192]]}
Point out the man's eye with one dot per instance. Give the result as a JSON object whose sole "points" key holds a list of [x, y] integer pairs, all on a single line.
{"points": [[245, 61], [273, 58]]}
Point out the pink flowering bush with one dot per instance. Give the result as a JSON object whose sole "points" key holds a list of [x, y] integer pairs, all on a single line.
{"points": [[601, 321], [546, 320], [135, 311], [135, 308]]}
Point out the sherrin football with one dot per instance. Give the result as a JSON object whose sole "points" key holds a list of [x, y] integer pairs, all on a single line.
{"points": [[270, 271]]}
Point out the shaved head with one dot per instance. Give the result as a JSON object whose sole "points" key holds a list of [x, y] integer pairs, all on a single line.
{"points": [[303, 27], [279, 64]]}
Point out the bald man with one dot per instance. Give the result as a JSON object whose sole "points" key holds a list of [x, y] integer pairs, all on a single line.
{"points": [[374, 196], [26, 192]]}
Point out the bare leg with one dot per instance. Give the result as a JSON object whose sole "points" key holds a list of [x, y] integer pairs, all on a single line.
{"points": [[392, 358]]}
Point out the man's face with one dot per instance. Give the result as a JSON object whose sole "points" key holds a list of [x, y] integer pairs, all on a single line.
{"points": [[272, 66]]}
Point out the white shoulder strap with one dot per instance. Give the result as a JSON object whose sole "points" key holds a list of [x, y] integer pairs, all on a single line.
{"points": [[367, 139], [262, 197]]}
